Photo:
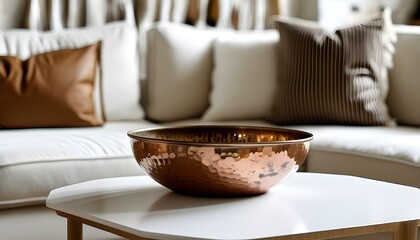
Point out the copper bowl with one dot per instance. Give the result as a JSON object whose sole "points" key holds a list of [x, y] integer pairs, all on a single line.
{"points": [[221, 161]]}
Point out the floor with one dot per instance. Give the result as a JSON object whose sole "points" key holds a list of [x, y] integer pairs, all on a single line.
{"points": [[41, 223]]}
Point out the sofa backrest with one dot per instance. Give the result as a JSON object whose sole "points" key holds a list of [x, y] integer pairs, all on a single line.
{"points": [[236, 14], [404, 77]]}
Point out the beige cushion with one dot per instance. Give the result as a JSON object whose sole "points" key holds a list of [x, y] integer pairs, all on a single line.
{"points": [[179, 65], [118, 59], [53, 89], [404, 97], [329, 78], [244, 76]]}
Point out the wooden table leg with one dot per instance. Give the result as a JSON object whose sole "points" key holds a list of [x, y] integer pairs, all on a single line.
{"points": [[406, 230], [74, 229]]}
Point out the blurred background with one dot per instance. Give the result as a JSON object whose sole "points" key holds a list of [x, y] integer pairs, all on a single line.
{"points": [[238, 14]]}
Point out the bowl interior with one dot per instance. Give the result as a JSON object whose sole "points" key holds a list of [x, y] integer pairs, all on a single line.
{"points": [[222, 135]]}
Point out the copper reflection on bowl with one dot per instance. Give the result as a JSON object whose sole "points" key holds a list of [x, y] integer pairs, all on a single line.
{"points": [[222, 161]]}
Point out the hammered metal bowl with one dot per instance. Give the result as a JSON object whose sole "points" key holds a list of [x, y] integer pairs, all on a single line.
{"points": [[222, 161]]}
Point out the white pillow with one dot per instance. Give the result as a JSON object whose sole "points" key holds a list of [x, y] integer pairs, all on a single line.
{"points": [[244, 76], [120, 82], [179, 64]]}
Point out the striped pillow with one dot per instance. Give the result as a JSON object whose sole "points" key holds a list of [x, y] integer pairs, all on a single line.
{"points": [[331, 78]]}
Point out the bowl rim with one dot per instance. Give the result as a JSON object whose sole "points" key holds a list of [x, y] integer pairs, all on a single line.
{"points": [[309, 135]]}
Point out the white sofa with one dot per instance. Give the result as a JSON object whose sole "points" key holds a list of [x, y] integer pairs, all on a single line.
{"points": [[35, 161]]}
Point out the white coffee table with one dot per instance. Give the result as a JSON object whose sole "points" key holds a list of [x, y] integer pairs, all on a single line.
{"points": [[303, 206]]}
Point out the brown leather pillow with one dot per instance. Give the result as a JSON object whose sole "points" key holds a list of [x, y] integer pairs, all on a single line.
{"points": [[53, 89]]}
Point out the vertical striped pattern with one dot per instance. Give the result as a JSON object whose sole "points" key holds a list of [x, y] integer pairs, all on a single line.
{"points": [[330, 79]]}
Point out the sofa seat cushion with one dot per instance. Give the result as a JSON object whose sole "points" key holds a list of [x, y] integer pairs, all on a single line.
{"points": [[399, 144], [383, 153], [35, 161]]}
